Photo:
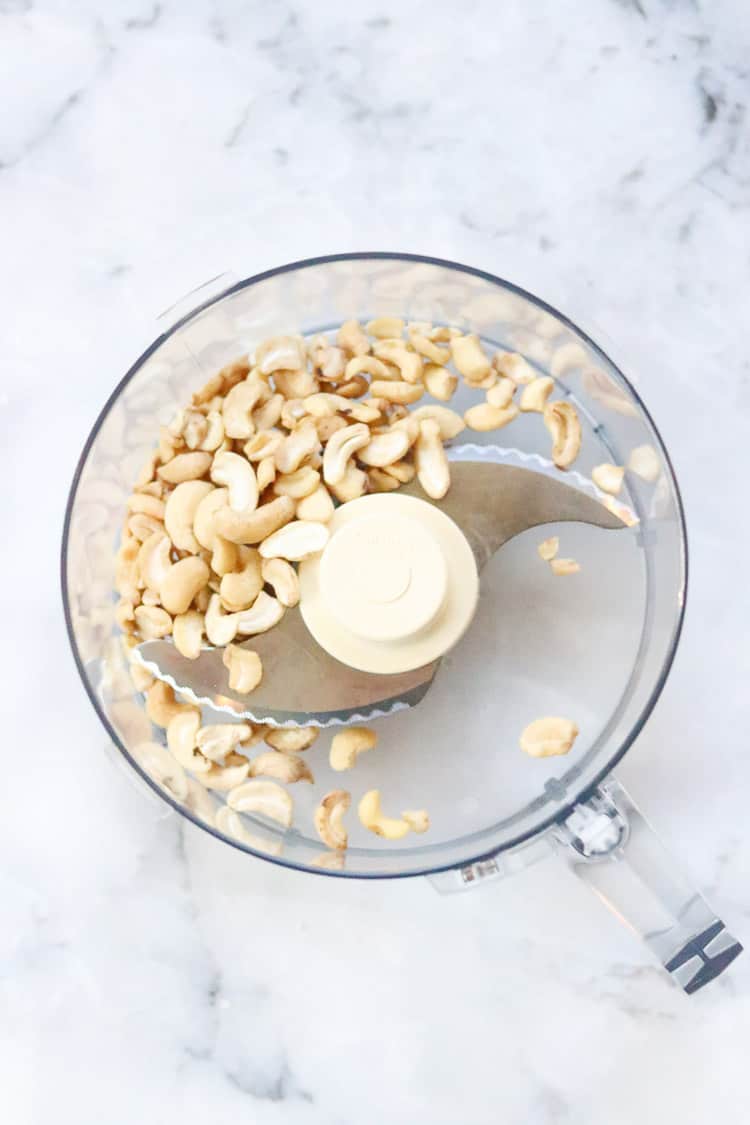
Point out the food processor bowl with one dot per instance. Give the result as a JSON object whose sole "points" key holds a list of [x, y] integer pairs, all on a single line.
{"points": [[597, 648]]}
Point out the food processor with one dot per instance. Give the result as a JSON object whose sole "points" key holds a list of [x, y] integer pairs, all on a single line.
{"points": [[596, 646]]}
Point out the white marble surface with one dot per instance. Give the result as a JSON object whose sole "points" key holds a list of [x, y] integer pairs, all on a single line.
{"points": [[595, 152]]}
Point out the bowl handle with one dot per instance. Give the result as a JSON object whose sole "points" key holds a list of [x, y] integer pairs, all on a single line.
{"points": [[609, 844]]}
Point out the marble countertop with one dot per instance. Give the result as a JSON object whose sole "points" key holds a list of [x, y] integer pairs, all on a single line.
{"points": [[596, 153]]}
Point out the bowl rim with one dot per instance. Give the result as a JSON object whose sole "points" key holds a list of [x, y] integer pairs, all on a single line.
{"points": [[565, 809]]}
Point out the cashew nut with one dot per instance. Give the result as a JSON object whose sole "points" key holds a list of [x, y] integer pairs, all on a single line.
{"points": [[318, 506], [265, 473], [291, 739], [264, 613], [140, 526], [340, 448], [327, 427], [185, 466], [263, 797], [331, 362], [296, 541], [253, 527], [221, 628], [296, 384], [644, 462], [484, 416], [563, 567], [300, 444], [266, 416], [284, 767], [293, 411], [348, 744], [238, 407], [409, 364], [220, 739], [469, 358], [440, 382], [281, 353], [214, 434], [548, 548], [366, 365], [364, 412], [213, 387], [181, 736], [352, 337], [148, 505], [187, 633], [152, 622], [323, 405], [154, 560], [428, 348], [385, 448], [433, 470], [608, 477], [417, 819], [402, 471], [353, 485], [501, 395], [451, 424], [379, 481], [225, 557], [279, 574], [561, 419], [514, 367], [162, 767], [353, 388], [203, 520], [245, 668], [535, 394], [371, 816], [329, 819], [547, 737], [385, 327], [180, 510], [182, 582], [227, 777], [161, 705], [298, 484], [262, 444], [237, 474], [239, 590], [396, 390]]}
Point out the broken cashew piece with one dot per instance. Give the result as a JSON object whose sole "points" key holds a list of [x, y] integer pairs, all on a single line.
{"points": [[371, 816], [396, 390], [187, 633], [484, 416], [514, 367], [608, 477], [561, 419], [469, 358], [548, 548], [318, 506], [451, 424], [283, 767], [239, 589], [263, 797], [181, 735], [291, 739], [501, 394], [385, 327], [535, 394], [281, 353], [279, 574], [440, 382], [383, 449], [296, 541], [433, 470], [417, 819], [153, 622], [545, 738], [348, 744], [644, 462], [245, 668], [219, 739], [329, 818], [563, 567]]}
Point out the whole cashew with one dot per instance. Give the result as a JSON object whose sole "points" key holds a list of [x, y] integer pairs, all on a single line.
{"points": [[535, 394], [243, 527], [283, 767], [283, 578], [187, 633], [383, 449], [348, 744], [469, 358], [296, 541], [433, 470], [281, 353], [340, 448], [239, 590], [245, 668], [550, 736], [237, 474], [561, 419], [371, 816], [182, 582], [180, 510], [329, 817]]}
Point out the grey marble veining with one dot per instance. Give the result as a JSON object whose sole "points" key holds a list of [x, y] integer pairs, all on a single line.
{"points": [[597, 153]]}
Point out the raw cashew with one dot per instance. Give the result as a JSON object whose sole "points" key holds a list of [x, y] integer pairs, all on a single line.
{"points": [[433, 470], [213, 387], [227, 777], [296, 384], [220, 739], [323, 405], [385, 448], [140, 526], [385, 327], [187, 633], [402, 471], [279, 574], [348, 744], [608, 477], [451, 424], [162, 767], [318, 506], [548, 548], [154, 560], [440, 382], [340, 448], [561, 419], [221, 628], [180, 510], [291, 739], [161, 705], [327, 427], [264, 797], [296, 541], [352, 337], [245, 668], [298, 484], [352, 485], [182, 582], [185, 466], [214, 434], [238, 407], [203, 520], [331, 362], [329, 819], [263, 444], [243, 527], [239, 590], [265, 473], [152, 622], [547, 737], [417, 819], [352, 388], [409, 364], [563, 567], [363, 412], [237, 474], [232, 373], [301, 443], [284, 767], [469, 358], [501, 395], [484, 416], [371, 816], [396, 390], [264, 613], [366, 365], [535, 394], [379, 481], [281, 353], [148, 505], [644, 462], [514, 367], [181, 736], [224, 557], [428, 348]]}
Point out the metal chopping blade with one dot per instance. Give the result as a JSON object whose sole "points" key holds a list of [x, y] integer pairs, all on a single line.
{"points": [[489, 501]]}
